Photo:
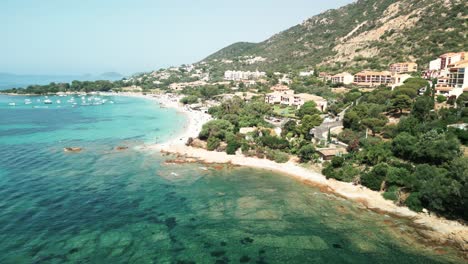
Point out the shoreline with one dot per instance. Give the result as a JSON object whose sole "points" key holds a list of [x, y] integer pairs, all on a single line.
{"points": [[436, 229]]}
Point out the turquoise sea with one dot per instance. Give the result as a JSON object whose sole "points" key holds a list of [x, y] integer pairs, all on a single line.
{"points": [[108, 206]]}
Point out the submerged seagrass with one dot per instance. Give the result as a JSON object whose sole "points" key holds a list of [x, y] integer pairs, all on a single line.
{"points": [[111, 204]]}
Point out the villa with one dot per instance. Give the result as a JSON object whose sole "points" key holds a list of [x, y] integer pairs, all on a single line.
{"points": [[288, 97]]}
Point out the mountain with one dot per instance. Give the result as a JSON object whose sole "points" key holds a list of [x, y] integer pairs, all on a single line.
{"points": [[364, 34], [8, 80]]}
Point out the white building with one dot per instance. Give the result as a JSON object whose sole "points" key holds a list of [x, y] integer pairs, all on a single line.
{"points": [[456, 81], [344, 78], [287, 97], [243, 75], [306, 74]]}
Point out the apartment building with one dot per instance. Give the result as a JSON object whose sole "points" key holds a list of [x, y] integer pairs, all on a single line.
{"points": [[373, 78], [344, 78], [243, 75], [403, 67], [456, 81]]}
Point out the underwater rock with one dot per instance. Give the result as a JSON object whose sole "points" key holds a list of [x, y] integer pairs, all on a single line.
{"points": [[72, 149]]}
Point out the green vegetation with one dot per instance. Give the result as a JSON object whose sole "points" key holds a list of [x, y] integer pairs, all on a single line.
{"points": [[75, 86], [312, 42], [417, 162]]}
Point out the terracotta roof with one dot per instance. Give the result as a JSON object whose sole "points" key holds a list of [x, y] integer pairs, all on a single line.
{"points": [[444, 88], [343, 74], [311, 97], [460, 64], [332, 151]]}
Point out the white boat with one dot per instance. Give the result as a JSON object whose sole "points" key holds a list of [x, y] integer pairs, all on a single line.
{"points": [[47, 101], [111, 102], [27, 101], [12, 104], [58, 102]]}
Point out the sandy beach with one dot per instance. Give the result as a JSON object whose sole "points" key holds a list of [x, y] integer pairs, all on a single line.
{"points": [[435, 229]]}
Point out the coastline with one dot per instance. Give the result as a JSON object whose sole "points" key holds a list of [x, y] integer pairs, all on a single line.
{"points": [[436, 229]]}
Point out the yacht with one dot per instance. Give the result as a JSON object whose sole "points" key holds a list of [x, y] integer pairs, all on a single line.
{"points": [[47, 101], [27, 101], [12, 104], [58, 102]]}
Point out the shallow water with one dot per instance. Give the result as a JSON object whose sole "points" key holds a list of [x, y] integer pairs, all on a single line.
{"points": [[107, 206]]}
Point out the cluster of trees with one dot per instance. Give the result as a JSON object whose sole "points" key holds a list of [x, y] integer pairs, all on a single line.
{"points": [[223, 132], [417, 162], [75, 86]]}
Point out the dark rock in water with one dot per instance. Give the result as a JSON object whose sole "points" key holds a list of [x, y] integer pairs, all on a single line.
{"points": [[244, 259], [73, 250], [337, 246], [261, 251], [170, 222], [247, 240], [218, 253], [121, 148], [185, 262], [223, 244], [72, 149], [192, 219]]}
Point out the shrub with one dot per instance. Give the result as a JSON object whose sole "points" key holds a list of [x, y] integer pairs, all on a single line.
{"points": [[306, 153], [274, 142], [373, 179], [337, 162], [191, 99], [441, 99], [414, 202], [391, 193], [213, 143]]}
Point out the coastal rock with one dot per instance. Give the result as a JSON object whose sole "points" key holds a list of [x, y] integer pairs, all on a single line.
{"points": [[72, 149]]}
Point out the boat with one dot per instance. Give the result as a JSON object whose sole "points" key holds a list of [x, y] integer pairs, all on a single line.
{"points": [[58, 102], [47, 101], [12, 104], [27, 101]]}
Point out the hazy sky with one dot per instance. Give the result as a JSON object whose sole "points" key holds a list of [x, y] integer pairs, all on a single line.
{"points": [[127, 36]]}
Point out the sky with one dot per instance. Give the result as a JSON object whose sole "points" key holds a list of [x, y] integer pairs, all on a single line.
{"points": [[129, 36]]}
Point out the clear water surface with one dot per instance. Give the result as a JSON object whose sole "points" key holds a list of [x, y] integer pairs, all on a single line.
{"points": [[108, 206]]}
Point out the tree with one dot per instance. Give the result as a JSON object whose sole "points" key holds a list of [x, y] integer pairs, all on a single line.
{"points": [[404, 146], [436, 148], [308, 122], [216, 128], [462, 100], [308, 108], [422, 107], [400, 103], [306, 153], [374, 124], [374, 179]]}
